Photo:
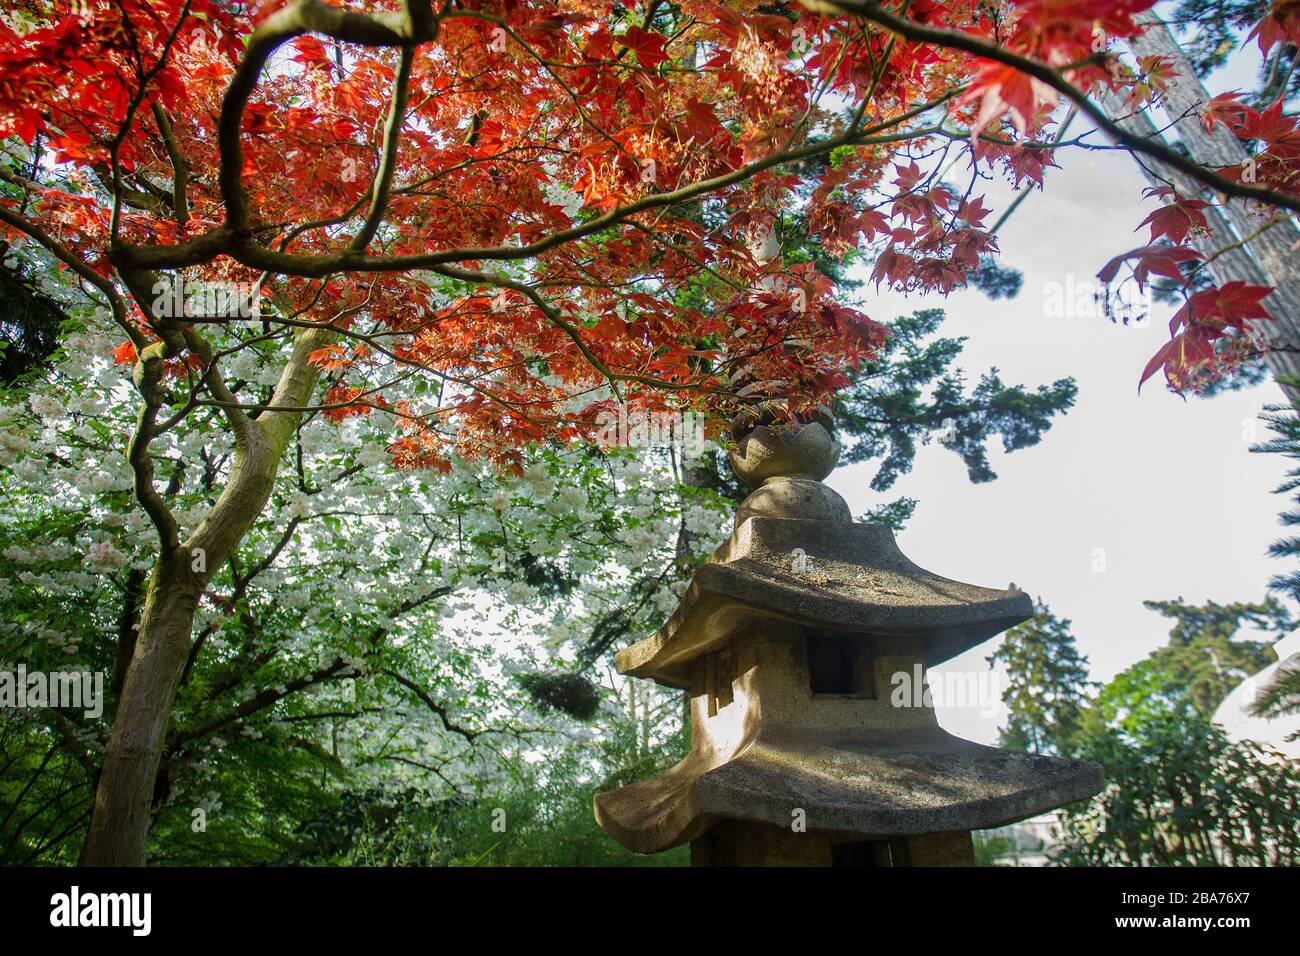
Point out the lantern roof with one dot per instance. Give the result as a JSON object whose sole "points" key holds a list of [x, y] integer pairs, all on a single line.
{"points": [[841, 576], [878, 784]]}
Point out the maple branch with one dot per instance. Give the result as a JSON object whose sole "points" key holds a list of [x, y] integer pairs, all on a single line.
{"points": [[128, 120], [224, 240], [180, 165], [370, 340], [1239, 243], [549, 66], [73, 262], [1024, 194], [272, 406], [956, 40], [556, 319], [415, 23], [388, 156], [146, 377], [704, 266]]}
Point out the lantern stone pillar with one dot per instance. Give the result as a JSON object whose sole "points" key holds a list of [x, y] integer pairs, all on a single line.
{"points": [[804, 642]]}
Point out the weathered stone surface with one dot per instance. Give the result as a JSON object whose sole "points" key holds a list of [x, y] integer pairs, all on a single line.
{"points": [[856, 767], [737, 843], [795, 498], [845, 576], [768, 453], [803, 643], [934, 849], [857, 789]]}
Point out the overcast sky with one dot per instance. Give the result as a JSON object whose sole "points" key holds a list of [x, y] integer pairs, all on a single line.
{"points": [[1164, 490]]}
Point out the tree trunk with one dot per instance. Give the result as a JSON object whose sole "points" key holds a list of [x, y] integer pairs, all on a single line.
{"points": [[1245, 245], [119, 823]]}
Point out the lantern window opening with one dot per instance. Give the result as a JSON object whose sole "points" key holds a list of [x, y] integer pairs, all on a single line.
{"points": [[841, 665]]}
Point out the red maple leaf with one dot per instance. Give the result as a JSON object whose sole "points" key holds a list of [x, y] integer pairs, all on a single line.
{"points": [[1225, 108], [647, 45], [1176, 220], [1003, 89], [1281, 24], [1159, 260]]}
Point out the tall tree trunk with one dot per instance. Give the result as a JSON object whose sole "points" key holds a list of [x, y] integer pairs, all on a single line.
{"points": [[119, 823], [1245, 243]]}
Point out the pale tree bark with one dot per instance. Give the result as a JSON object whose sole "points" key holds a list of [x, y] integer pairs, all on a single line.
{"points": [[120, 820], [1246, 242]]}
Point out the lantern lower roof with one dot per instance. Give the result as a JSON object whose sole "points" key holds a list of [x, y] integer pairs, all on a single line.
{"points": [[837, 576], [865, 787]]}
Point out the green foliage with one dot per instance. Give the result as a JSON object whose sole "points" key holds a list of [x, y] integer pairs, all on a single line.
{"points": [[911, 395], [1282, 696], [996, 280], [991, 847], [1210, 621], [331, 666], [45, 795], [1048, 685], [29, 322], [248, 805], [275, 803], [1179, 793], [1203, 658], [894, 514], [541, 815], [1284, 422], [548, 815], [335, 708]]}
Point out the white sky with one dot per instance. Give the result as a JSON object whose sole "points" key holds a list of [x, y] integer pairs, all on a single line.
{"points": [[1165, 487]]}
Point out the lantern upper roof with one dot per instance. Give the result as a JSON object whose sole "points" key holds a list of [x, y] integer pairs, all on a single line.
{"points": [[797, 556], [843, 577]]}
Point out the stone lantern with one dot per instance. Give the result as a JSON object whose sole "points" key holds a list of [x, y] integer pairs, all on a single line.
{"points": [[803, 643]]}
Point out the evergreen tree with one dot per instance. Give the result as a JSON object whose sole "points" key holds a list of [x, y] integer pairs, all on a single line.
{"points": [[29, 321], [912, 395], [1282, 696], [1203, 657], [1284, 422], [1048, 688]]}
